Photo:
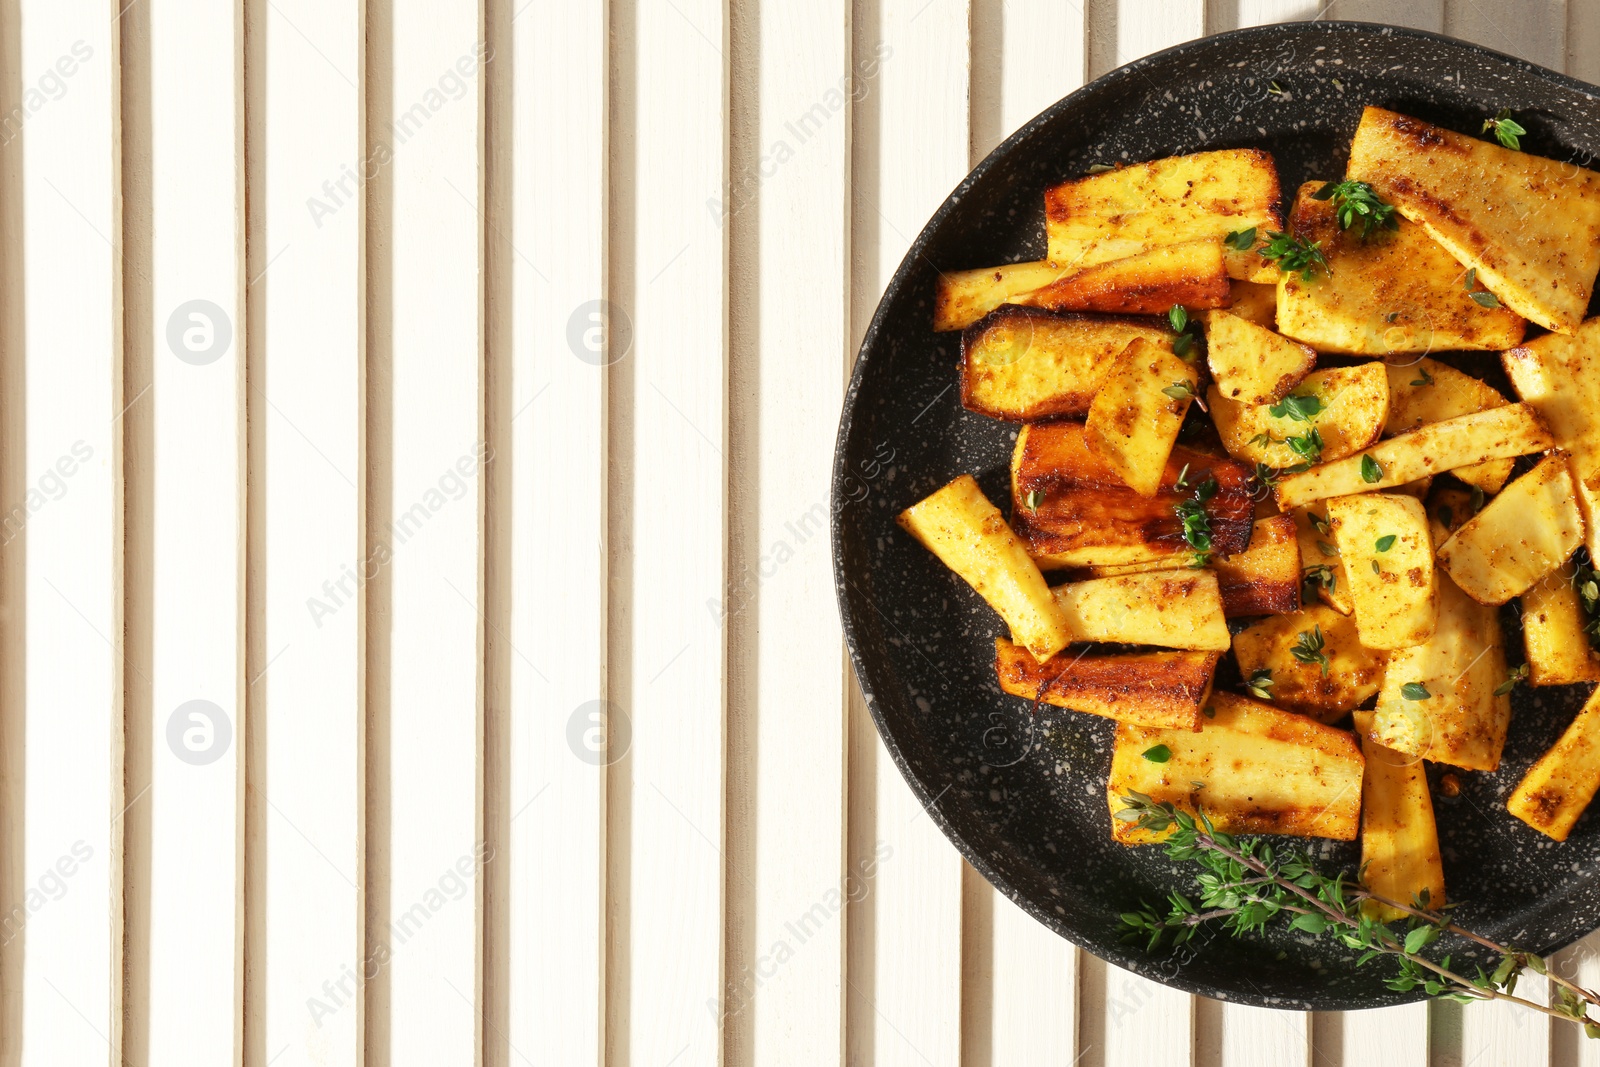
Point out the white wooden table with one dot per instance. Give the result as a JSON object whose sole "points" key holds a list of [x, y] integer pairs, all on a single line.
{"points": [[417, 638]]}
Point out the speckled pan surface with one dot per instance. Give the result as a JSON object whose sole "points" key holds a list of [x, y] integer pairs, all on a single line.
{"points": [[1024, 799]]}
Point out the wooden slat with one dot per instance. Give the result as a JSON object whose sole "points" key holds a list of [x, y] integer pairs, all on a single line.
{"points": [[666, 838], [1396, 1036], [553, 802], [1020, 983], [912, 148], [306, 786], [196, 679], [1535, 31], [1418, 14], [1138, 1021], [433, 850], [787, 226], [70, 933]]}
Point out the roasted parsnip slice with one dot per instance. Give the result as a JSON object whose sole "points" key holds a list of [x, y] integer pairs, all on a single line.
{"points": [[1390, 292], [1256, 769], [1554, 634], [1528, 225], [970, 536], [962, 297], [1499, 433], [1521, 535], [1193, 274], [1251, 364], [1400, 858], [1134, 209], [1350, 407], [1429, 391], [1135, 417], [1264, 579], [1559, 376], [1072, 509], [1171, 609], [1256, 302], [1165, 689], [1461, 721], [1556, 790], [1291, 647], [1024, 363], [1387, 550], [1320, 562]]}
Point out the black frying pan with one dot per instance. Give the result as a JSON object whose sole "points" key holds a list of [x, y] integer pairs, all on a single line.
{"points": [[1022, 798]]}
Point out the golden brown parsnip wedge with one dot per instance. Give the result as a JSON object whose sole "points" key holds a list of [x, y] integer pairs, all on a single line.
{"points": [[1264, 579], [1193, 274], [1317, 551], [1165, 689], [1400, 859], [1252, 364], [1135, 417], [1265, 771], [1553, 621], [1169, 609], [1462, 722], [1023, 364], [1396, 291], [1134, 209], [1499, 433], [962, 297], [1559, 376], [1082, 514], [1530, 226], [1429, 391], [1521, 535], [1353, 672], [1556, 790], [970, 536], [1256, 302], [1387, 550], [1355, 407]]}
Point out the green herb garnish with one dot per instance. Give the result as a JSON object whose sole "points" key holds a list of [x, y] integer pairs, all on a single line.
{"points": [[1511, 681], [1426, 379], [1312, 577], [1355, 201], [1249, 884], [1031, 501], [1241, 240], [1294, 253], [1298, 408], [1157, 753], [1415, 691], [1507, 130], [1385, 543], [1370, 470], [1259, 683], [1482, 297], [1308, 648]]}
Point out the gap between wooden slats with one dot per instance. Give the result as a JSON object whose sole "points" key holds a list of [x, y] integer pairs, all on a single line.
{"points": [[304, 851], [546, 721], [62, 927], [1019, 979], [668, 532], [785, 209], [426, 458], [911, 148]]}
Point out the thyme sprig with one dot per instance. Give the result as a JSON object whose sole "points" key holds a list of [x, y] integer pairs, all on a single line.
{"points": [[1294, 253], [1354, 202], [1247, 885]]}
